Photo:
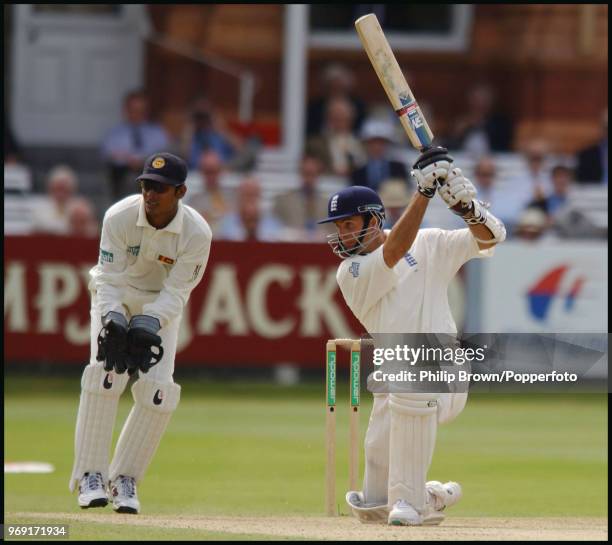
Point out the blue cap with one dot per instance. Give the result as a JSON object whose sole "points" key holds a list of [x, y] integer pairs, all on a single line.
{"points": [[164, 168], [351, 201]]}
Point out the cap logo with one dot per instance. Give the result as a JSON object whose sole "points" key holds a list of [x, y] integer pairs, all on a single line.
{"points": [[158, 162], [333, 205]]}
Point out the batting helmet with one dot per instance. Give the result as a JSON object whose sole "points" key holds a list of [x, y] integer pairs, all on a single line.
{"points": [[351, 201]]}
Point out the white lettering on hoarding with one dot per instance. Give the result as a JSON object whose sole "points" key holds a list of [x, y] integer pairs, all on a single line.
{"points": [[51, 297], [260, 320], [318, 305], [222, 304], [15, 302]]}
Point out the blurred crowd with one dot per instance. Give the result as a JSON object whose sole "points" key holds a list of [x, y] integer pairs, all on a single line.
{"points": [[348, 142]]}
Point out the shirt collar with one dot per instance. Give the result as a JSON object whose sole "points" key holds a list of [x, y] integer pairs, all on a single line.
{"points": [[175, 226]]}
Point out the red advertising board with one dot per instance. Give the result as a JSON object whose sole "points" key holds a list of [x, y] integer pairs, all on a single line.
{"points": [[258, 305]]}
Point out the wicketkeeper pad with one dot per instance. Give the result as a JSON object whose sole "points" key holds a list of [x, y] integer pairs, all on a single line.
{"points": [[412, 440], [100, 393], [154, 404]]}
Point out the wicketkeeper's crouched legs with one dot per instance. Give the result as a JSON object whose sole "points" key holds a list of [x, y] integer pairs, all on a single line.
{"points": [[154, 403], [100, 393]]}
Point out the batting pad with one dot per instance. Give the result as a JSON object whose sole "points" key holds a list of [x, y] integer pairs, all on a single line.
{"points": [[154, 404], [412, 439], [376, 478], [100, 393]]}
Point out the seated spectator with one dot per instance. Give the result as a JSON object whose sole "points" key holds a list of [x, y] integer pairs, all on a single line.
{"points": [[337, 147], [127, 145], [531, 225], [300, 208], [82, 220], [377, 137], [50, 214], [482, 129], [562, 179], [395, 197], [248, 222], [530, 183], [336, 82], [212, 201], [592, 162], [206, 131], [484, 179]]}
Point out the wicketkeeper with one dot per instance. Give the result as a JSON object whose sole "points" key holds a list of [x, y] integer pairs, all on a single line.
{"points": [[153, 253], [396, 282]]}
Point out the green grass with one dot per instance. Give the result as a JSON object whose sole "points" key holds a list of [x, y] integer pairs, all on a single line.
{"points": [[258, 449]]}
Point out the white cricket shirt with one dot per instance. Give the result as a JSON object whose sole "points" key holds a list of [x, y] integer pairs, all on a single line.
{"points": [[412, 296], [134, 255]]}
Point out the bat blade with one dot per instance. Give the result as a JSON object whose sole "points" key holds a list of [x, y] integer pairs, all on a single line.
{"points": [[393, 81]]}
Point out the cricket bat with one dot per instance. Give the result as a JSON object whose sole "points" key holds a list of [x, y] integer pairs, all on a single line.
{"points": [[393, 81]]}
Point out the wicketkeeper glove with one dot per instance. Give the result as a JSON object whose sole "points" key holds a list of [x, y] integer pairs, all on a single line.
{"points": [[431, 169], [112, 342], [142, 338]]}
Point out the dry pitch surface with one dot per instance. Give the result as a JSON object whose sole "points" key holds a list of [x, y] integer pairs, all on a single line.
{"points": [[346, 528]]}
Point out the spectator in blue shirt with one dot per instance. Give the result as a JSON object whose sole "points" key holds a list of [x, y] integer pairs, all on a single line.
{"points": [[128, 144], [206, 132], [249, 222], [562, 178]]}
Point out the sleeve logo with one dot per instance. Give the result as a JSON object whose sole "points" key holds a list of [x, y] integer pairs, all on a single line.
{"points": [[106, 256], [354, 269]]}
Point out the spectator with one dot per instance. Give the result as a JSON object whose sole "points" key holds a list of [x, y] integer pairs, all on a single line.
{"points": [[337, 148], [530, 183], [50, 214], [532, 224], [485, 172], [127, 145], [395, 197], [249, 222], [482, 129], [336, 82], [82, 220], [536, 177], [593, 161], [377, 137], [212, 201], [300, 208], [207, 132], [562, 179]]}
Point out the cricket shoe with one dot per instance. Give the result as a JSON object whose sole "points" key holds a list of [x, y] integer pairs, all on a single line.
{"points": [[92, 492], [403, 514], [123, 495]]}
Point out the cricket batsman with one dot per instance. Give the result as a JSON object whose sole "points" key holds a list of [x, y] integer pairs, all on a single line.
{"points": [[395, 281], [153, 253]]}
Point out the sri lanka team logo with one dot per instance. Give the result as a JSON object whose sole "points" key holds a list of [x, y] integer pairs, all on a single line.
{"points": [[548, 287]]}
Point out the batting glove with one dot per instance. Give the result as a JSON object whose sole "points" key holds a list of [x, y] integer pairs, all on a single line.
{"points": [[458, 192], [430, 169]]}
